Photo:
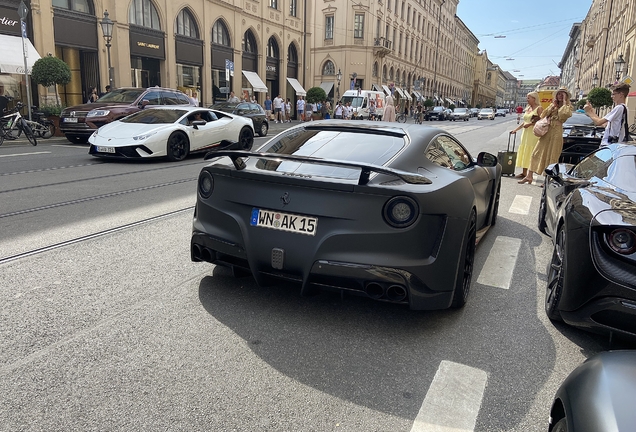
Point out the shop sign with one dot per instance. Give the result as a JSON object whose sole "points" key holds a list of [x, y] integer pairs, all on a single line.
{"points": [[147, 45], [270, 68], [9, 21]]}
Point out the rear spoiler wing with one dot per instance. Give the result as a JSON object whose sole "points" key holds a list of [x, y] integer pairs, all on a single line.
{"points": [[365, 169]]}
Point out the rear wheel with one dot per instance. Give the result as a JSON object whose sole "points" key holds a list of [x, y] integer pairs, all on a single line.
{"points": [[246, 138], [495, 209], [28, 132], [467, 260], [263, 130], [542, 212], [178, 147], [47, 130], [556, 272]]}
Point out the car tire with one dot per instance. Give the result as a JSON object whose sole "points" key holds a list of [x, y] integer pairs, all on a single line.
{"points": [[542, 212], [77, 139], [467, 261], [561, 426], [555, 275], [177, 147], [263, 129], [246, 138]]}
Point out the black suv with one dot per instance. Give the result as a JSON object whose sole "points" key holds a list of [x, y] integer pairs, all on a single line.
{"points": [[249, 110], [79, 122], [437, 113]]}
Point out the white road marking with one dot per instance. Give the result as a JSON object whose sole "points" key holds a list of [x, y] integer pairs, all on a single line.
{"points": [[521, 205], [453, 400], [500, 264], [24, 154]]}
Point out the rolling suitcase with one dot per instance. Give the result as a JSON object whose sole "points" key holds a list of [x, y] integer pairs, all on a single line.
{"points": [[508, 159]]}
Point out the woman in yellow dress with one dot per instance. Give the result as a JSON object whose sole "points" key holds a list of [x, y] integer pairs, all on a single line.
{"points": [[528, 139], [549, 146]]}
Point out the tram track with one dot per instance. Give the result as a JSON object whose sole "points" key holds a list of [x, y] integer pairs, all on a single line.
{"points": [[92, 236]]}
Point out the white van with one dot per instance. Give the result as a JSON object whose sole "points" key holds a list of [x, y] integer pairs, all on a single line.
{"points": [[360, 102]]}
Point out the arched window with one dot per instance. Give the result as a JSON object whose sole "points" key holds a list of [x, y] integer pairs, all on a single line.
{"points": [[384, 73], [292, 55], [329, 68], [185, 24], [82, 6], [249, 43], [272, 48], [143, 13], [375, 69], [220, 35], [391, 74]]}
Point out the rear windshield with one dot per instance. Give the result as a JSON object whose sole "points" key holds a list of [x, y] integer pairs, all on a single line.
{"points": [[460, 110], [155, 116], [337, 145], [486, 110], [121, 96]]}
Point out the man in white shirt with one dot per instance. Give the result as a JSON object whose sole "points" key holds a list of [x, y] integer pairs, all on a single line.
{"points": [[300, 108], [278, 108], [233, 98], [615, 121]]}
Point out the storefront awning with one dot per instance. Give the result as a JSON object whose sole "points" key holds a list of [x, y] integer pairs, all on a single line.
{"points": [[449, 101], [326, 86], [400, 92], [376, 87], [408, 96], [300, 91], [11, 56], [255, 81], [418, 95], [386, 90]]}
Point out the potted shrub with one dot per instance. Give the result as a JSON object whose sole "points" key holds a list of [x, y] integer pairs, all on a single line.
{"points": [[316, 95], [52, 71]]}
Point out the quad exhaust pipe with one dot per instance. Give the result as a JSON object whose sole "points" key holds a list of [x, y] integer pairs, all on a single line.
{"points": [[395, 293]]}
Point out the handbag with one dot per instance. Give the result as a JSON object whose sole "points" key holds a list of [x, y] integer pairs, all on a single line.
{"points": [[541, 127]]}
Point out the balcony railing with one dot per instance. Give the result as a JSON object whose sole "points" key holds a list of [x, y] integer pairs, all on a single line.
{"points": [[382, 46]]}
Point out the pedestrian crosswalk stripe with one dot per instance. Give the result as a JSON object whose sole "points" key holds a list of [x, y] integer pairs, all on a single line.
{"points": [[521, 205], [453, 400], [500, 264]]}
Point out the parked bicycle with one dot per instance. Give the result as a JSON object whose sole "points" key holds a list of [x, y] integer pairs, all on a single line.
{"points": [[40, 125], [401, 118], [13, 124]]}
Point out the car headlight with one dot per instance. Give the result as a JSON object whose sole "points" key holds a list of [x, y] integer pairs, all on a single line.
{"points": [[98, 113], [144, 136], [400, 212], [622, 241], [206, 184]]}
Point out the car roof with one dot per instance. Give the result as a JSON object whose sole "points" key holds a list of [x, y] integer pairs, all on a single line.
{"points": [[579, 119], [177, 107]]}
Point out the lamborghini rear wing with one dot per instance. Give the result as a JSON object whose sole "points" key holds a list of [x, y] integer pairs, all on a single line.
{"points": [[365, 169]]}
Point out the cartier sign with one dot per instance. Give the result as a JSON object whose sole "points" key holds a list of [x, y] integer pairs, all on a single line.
{"points": [[9, 21], [4, 21]]}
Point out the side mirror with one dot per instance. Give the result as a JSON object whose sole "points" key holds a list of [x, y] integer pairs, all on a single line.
{"points": [[553, 170], [223, 145], [486, 159], [143, 103], [240, 112], [197, 123]]}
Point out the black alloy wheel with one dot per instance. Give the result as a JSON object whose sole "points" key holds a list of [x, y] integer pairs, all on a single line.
{"points": [[246, 138], [556, 271], [263, 129], [542, 211], [178, 147], [28, 132], [561, 426], [465, 271]]}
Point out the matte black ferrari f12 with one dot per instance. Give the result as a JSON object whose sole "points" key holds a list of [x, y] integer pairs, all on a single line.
{"points": [[376, 209]]}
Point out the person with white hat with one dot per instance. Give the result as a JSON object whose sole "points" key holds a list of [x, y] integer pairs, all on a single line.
{"points": [[548, 148]]}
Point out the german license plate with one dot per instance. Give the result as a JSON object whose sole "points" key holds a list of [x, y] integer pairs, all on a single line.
{"points": [[284, 221], [105, 149], [70, 119]]}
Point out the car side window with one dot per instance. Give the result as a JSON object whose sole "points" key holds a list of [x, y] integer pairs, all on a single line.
{"points": [[183, 99], [448, 153], [245, 108], [153, 98], [254, 108], [170, 98], [595, 165]]}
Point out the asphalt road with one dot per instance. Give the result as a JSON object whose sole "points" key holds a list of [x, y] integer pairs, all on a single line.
{"points": [[106, 324]]}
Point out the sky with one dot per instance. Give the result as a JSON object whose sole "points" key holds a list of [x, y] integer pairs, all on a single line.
{"points": [[536, 32]]}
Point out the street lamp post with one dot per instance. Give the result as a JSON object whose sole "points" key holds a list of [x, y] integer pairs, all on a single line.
{"points": [[619, 64], [338, 77], [107, 30], [23, 11]]}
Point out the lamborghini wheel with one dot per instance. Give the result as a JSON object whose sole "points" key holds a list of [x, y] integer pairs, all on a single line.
{"points": [[467, 260], [178, 147]]}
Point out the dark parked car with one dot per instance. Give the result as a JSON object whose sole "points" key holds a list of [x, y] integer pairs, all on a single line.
{"points": [[580, 138], [247, 109], [384, 210], [589, 211], [501, 112], [79, 122], [437, 113], [598, 396]]}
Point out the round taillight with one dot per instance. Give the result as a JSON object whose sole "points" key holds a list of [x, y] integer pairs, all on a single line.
{"points": [[622, 241], [206, 184], [400, 212]]}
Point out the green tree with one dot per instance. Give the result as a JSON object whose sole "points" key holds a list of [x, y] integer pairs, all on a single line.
{"points": [[600, 97], [581, 103], [49, 71], [452, 107], [429, 103], [315, 95]]}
